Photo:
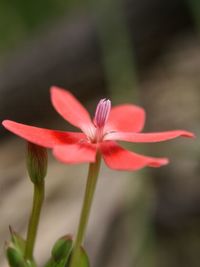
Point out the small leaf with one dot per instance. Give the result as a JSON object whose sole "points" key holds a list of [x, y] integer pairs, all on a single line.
{"points": [[82, 260], [17, 240], [31, 263], [62, 263], [50, 263]]}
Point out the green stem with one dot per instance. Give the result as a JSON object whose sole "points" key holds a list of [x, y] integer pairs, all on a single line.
{"points": [[34, 219], [87, 203]]}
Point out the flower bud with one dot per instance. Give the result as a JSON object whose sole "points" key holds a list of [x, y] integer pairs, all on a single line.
{"points": [[15, 258], [62, 248], [37, 160]]}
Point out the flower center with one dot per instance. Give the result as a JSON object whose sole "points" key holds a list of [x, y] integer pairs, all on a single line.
{"points": [[101, 116]]}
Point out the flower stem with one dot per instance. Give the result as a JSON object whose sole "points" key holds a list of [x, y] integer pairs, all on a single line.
{"points": [[87, 203], [38, 198]]}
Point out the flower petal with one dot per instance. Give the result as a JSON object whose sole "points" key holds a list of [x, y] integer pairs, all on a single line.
{"points": [[70, 108], [147, 137], [120, 159], [43, 137], [128, 118], [77, 153]]}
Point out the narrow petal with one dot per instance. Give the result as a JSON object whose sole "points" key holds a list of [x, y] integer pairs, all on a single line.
{"points": [[147, 137], [77, 153], [118, 158], [128, 118], [43, 137], [70, 108]]}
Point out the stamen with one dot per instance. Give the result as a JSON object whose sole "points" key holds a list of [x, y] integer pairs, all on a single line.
{"points": [[102, 113]]}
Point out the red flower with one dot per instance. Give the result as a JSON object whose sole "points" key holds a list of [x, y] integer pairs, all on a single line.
{"points": [[123, 122]]}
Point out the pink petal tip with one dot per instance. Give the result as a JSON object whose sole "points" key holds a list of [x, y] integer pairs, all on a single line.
{"points": [[188, 134], [159, 162]]}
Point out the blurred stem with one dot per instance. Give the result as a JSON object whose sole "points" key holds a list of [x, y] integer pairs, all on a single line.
{"points": [[87, 203], [116, 46], [142, 206], [195, 8], [38, 198]]}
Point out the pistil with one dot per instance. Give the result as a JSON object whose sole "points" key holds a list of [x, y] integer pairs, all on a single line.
{"points": [[101, 116]]}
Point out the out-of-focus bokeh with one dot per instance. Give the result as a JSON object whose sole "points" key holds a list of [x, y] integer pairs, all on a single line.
{"points": [[144, 52]]}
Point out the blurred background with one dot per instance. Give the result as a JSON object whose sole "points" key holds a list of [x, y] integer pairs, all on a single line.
{"points": [[144, 52]]}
